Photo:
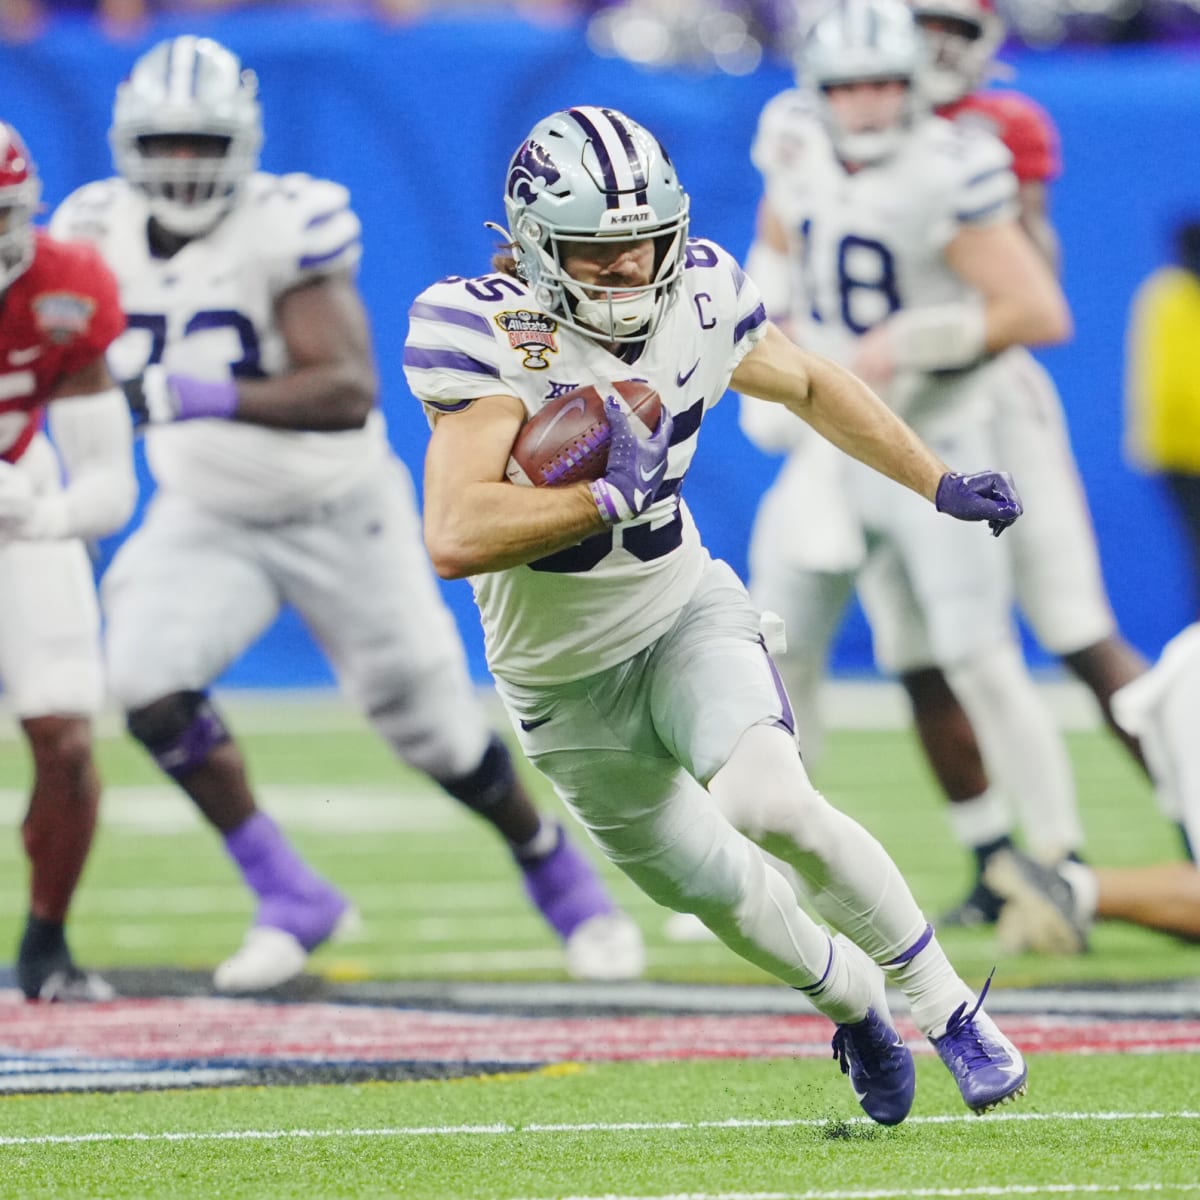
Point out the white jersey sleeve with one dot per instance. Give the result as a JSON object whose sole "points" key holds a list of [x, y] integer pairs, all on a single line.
{"points": [[84, 214], [780, 139], [308, 230], [974, 179], [452, 355]]}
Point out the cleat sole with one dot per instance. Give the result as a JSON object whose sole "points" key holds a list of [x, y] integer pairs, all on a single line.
{"points": [[1011, 1098]]}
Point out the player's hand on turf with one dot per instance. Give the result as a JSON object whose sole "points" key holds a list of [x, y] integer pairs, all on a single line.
{"points": [[987, 496], [17, 501], [636, 465], [156, 397]]}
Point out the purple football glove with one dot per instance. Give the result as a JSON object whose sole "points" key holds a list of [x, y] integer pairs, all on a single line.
{"points": [[985, 496], [156, 397], [636, 465]]}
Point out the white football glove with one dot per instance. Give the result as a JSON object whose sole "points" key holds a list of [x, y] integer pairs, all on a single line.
{"points": [[17, 502]]}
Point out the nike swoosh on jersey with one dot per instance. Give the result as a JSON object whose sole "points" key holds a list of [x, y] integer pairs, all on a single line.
{"points": [[680, 380], [530, 726], [19, 358]]}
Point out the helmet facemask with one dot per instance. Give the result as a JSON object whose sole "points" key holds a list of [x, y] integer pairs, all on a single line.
{"points": [[616, 312], [186, 132], [18, 204], [593, 177]]}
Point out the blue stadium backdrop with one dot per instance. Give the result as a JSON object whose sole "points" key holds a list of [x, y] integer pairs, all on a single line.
{"points": [[419, 123]]}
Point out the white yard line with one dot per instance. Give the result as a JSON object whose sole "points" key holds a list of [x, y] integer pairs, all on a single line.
{"points": [[1012, 1189], [504, 1129]]}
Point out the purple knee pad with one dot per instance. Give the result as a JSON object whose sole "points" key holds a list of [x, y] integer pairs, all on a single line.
{"points": [[198, 731]]}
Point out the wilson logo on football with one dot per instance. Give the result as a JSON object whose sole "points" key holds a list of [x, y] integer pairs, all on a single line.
{"points": [[533, 334]]}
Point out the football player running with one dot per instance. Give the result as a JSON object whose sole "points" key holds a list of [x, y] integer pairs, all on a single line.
{"points": [[890, 238], [58, 313], [1056, 564], [629, 658], [249, 355]]}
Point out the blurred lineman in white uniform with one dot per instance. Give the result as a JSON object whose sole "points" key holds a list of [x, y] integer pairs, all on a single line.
{"points": [[632, 661], [249, 356], [889, 239], [59, 311], [1056, 563]]}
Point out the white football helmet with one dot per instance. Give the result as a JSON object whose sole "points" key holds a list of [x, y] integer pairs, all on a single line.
{"points": [[593, 173], [188, 86], [961, 38], [862, 41], [20, 195]]}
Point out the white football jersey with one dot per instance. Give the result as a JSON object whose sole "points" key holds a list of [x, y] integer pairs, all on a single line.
{"points": [[871, 242], [209, 312], [595, 604]]}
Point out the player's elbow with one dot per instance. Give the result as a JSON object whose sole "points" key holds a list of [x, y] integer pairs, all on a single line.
{"points": [[356, 395], [451, 553], [1048, 322]]}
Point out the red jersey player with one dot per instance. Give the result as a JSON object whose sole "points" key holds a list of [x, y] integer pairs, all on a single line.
{"points": [[58, 314]]}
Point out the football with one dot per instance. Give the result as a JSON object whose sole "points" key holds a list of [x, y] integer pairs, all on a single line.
{"points": [[566, 441]]}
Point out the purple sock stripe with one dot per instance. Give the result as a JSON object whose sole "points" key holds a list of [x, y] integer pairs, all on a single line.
{"points": [[816, 987], [913, 950], [787, 719]]}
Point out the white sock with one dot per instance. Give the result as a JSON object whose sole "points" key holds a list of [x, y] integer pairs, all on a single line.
{"points": [[843, 995], [931, 986], [981, 820], [1022, 748], [1084, 886]]}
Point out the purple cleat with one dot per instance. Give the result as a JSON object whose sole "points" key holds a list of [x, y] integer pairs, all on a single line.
{"points": [[872, 1053], [601, 942], [880, 1067], [287, 929], [987, 1067]]}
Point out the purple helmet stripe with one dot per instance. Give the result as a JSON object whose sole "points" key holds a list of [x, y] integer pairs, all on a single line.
{"points": [[446, 315], [612, 199], [635, 162]]}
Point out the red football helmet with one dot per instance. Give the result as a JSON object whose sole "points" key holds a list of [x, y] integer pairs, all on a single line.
{"points": [[20, 194], [962, 37]]}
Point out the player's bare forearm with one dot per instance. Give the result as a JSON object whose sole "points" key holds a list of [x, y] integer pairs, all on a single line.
{"points": [[475, 520], [331, 385], [841, 408], [323, 398]]}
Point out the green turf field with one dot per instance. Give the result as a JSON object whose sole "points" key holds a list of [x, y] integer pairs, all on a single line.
{"points": [[440, 900]]}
